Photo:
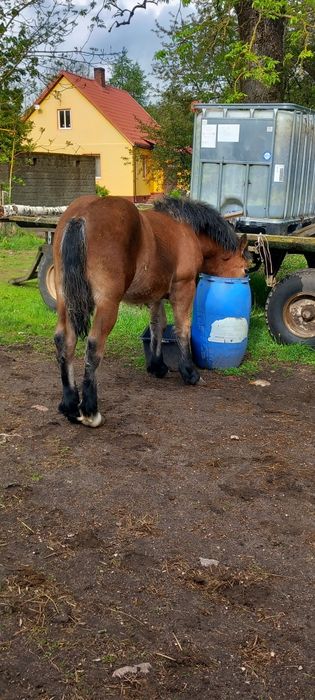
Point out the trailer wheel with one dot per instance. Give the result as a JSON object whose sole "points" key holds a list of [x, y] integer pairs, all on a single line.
{"points": [[46, 279], [290, 309], [310, 258]]}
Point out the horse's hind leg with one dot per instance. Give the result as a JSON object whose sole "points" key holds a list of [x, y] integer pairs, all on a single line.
{"points": [[104, 320], [158, 324], [65, 341], [181, 298]]}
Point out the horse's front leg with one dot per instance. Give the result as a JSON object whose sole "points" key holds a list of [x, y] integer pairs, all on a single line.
{"points": [[104, 320], [65, 341], [158, 324], [181, 298]]}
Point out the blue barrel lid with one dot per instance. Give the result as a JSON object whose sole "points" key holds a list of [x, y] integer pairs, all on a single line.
{"points": [[227, 280]]}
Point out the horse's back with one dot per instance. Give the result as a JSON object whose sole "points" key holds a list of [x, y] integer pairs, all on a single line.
{"points": [[108, 221], [112, 232], [97, 211]]}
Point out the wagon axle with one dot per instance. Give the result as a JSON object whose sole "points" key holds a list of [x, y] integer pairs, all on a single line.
{"points": [[308, 313]]}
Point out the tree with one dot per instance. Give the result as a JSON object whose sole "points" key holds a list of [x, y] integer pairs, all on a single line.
{"points": [[232, 51], [228, 50], [241, 50], [252, 42], [172, 153], [32, 33], [14, 131], [127, 75], [193, 54]]}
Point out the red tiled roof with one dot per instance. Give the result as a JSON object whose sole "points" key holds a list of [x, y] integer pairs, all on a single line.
{"points": [[121, 110]]}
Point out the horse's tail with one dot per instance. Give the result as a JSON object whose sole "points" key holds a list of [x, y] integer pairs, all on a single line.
{"points": [[76, 287]]}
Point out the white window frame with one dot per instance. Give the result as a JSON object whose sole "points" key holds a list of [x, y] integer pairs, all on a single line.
{"points": [[64, 112], [98, 168], [144, 167]]}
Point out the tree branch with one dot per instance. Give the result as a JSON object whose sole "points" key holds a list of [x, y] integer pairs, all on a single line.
{"points": [[121, 12]]}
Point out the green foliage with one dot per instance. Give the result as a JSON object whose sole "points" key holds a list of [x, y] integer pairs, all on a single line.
{"points": [[225, 49], [10, 240], [127, 75], [30, 32], [272, 9], [171, 154], [230, 51], [192, 58], [176, 193], [101, 191], [13, 131], [299, 59], [33, 34]]}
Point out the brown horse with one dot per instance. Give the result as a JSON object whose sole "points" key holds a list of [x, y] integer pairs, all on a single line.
{"points": [[106, 251]]}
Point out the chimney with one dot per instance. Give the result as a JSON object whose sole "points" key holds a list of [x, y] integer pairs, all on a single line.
{"points": [[99, 76]]}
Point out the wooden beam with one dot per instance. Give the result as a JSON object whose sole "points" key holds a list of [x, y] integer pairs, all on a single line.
{"points": [[292, 244], [24, 210]]}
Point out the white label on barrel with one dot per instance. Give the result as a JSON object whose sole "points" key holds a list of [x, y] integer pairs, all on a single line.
{"points": [[228, 330]]}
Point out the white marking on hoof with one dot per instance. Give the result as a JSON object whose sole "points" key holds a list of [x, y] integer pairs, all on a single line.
{"points": [[91, 421]]}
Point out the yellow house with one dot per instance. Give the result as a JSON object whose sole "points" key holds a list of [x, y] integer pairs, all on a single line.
{"points": [[84, 116]]}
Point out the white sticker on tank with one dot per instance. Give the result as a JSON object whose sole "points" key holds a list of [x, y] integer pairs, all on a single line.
{"points": [[279, 173], [228, 330], [208, 134], [229, 133]]}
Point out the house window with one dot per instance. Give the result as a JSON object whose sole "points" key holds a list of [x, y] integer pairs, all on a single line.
{"points": [[98, 166], [144, 167], [64, 118]]}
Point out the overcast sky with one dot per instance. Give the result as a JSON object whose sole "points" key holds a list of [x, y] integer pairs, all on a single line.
{"points": [[138, 38]]}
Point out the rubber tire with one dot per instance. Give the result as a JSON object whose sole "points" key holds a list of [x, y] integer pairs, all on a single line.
{"points": [[310, 259], [45, 267], [301, 280]]}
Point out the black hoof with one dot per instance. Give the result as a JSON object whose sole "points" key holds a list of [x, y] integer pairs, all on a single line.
{"points": [[190, 375], [69, 405], [157, 367], [72, 414]]}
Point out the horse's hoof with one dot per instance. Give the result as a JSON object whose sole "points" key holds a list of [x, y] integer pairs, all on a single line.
{"points": [[190, 375], [158, 368], [91, 421], [70, 412]]}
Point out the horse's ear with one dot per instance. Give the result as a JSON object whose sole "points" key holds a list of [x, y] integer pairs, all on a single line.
{"points": [[243, 243]]}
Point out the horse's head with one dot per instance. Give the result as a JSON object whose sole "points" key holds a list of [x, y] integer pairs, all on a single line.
{"points": [[225, 263]]}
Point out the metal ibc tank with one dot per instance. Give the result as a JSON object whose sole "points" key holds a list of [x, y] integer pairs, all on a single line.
{"points": [[257, 158]]}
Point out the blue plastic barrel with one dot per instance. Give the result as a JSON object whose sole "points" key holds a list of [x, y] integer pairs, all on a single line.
{"points": [[219, 331]]}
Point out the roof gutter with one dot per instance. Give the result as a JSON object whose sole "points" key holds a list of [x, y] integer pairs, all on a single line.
{"points": [[134, 173]]}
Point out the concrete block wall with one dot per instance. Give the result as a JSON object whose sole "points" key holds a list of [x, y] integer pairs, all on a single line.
{"points": [[51, 179]]}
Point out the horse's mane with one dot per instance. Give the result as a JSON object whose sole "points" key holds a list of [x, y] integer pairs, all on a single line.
{"points": [[201, 217]]}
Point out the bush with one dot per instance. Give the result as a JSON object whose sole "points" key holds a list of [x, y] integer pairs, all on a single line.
{"points": [[101, 191], [178, 193]]}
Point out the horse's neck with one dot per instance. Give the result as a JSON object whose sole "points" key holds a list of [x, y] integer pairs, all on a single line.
{"points": [[209, 247], [147, 237]]}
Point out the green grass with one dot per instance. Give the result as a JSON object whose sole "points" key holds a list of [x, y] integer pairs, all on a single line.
{"points": [[261, 347], [20, 240], [26, 319]]}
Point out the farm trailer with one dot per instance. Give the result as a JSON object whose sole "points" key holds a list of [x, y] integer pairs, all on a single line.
{"points": [[259, 159], [290, 306]]}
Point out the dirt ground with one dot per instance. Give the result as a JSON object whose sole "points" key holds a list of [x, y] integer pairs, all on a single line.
{"points": [[104, 532]]}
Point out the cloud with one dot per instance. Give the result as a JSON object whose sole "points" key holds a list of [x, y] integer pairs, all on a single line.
{"points": [[139, 37]]}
